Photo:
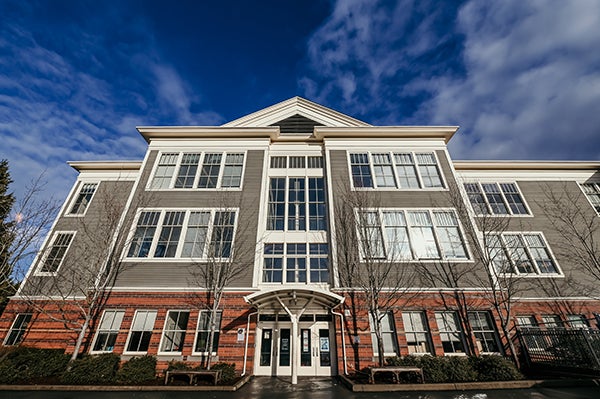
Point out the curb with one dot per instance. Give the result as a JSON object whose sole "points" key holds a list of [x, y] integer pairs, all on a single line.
{"points": [[118, 388], [466, 386]]}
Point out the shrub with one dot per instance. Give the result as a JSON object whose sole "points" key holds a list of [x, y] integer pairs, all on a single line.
{"points": [[495, 368], [459, 369], [23, 364], [227, 371], [90, 370], [176, 365], [137, 370]]}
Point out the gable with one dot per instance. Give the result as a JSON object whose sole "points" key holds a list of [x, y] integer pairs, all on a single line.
{"points": [[296, 124], [296, 110]]}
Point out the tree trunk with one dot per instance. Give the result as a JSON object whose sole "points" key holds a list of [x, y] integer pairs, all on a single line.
{"points": [[80, 338]]}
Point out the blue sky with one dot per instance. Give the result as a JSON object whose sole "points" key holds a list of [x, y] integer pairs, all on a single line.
{"points": [[521, 78]]}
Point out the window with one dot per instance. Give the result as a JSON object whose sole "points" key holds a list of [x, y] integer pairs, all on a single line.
{"points": [[521, 253], [296, 257], [405, 235], [83, 198], [526, 321], [496, 199], [174, 331], [56, 253], [278, 162], [577, 321], [141, 331], [203, 332], [451, 333], [296, 162], [417, 332], [315, 162], [592, 191], [17, 330], [552, 321], [395, 170], [288, 202], [535, 342], [200, 234], [388, 335], [108, 330], [198, 170], [484, 332]]}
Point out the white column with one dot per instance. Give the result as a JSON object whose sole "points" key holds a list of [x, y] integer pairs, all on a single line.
{"points": [[294, 349]]}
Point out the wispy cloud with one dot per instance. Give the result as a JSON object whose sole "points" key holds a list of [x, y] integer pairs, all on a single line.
{"points": [[522, 78], [76, 98]]}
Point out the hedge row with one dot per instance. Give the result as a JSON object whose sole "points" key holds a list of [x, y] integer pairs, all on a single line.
{"points": [[460, 369]]}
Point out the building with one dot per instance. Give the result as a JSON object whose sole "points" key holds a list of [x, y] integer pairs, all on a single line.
{"points": [[263, 195]]}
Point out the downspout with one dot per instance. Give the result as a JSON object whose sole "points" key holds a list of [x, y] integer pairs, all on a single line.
{"points": [[246, 345], [343, 337]]}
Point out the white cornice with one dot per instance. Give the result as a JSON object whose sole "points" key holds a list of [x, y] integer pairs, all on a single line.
{"points": [[105, 165], [293, 106], [526, 165], [403, 132], [178, 132]]}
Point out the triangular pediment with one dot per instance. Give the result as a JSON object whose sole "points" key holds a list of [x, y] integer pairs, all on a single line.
{"points": [[296, 124], [299, 111]]}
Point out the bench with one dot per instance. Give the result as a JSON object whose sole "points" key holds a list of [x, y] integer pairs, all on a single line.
{"points": [[396, 371], [193, 375]]}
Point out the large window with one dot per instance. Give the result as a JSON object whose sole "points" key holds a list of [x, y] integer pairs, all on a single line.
{"points": [[56, 253], [451, 333], [405, 235], [296, 263], [141, 331], [174, 331], [201, 234], [417, 334], [83, 198], [592, 191], [203, 332], [209, 170], [107, 332], [484, 331], [496, 199], [577, 321], [521, 253], [388, 335], [404, 170], [18, 329], [292, 199]]}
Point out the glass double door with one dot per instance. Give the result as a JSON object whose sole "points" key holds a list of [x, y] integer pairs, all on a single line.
{"points": [[276, 343]]}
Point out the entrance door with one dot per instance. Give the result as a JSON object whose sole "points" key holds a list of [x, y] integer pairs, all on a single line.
{"points": [[274, 349], [316, 349]]}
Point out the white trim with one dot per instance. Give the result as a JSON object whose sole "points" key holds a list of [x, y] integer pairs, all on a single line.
{"points": [[597, 185], [137, 353], [504, 200], [81, 183], [118, 330], [162, 335], [47, 250], [12, 326], [538, 274], [214, 353]]}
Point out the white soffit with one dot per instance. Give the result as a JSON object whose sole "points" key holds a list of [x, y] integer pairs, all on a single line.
{"points": [[296, 105]]}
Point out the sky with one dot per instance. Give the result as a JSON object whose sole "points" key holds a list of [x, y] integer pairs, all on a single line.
{"points": [[520, 77]]}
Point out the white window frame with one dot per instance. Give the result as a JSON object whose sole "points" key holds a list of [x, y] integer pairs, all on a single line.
{"points": [[218, 330], [391, 320], [202, 153], [48, 249], [111, 331], [380, 211], [395, 171], [138, 311], [181, 241], [81, 185], [537, 274], [502, 195], [162, 336], [429, 350], [22, 330], [307, 256], [596, 186]]}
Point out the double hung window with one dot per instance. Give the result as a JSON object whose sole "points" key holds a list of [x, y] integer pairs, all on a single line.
{"points": [[174, 331], [405, 235], [141, 331], [203, 331], [17, 330], [292, 199], [496, 199], [108, 330], [209, 170], [296, 263], [417, 334], [521, 253], [451, 332], [388, 334], [197, 233], [484, 331], [592, 192], [83, 198], [56, 253], [402, 170]]}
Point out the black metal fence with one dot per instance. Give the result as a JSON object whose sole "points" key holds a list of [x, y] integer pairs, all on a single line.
{"points": [[561, 349]]}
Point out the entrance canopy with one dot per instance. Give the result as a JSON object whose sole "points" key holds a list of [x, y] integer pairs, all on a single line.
{"points": [[295, 300]]}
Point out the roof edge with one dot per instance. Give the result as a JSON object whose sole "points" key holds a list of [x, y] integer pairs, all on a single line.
{"points": [[442, 132], [526, 165], [105, 165]]}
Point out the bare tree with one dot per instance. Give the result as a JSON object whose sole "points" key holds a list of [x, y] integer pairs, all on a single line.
{"points": [[365, 263], [76, 292], [31, 217], [230, 252]]}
